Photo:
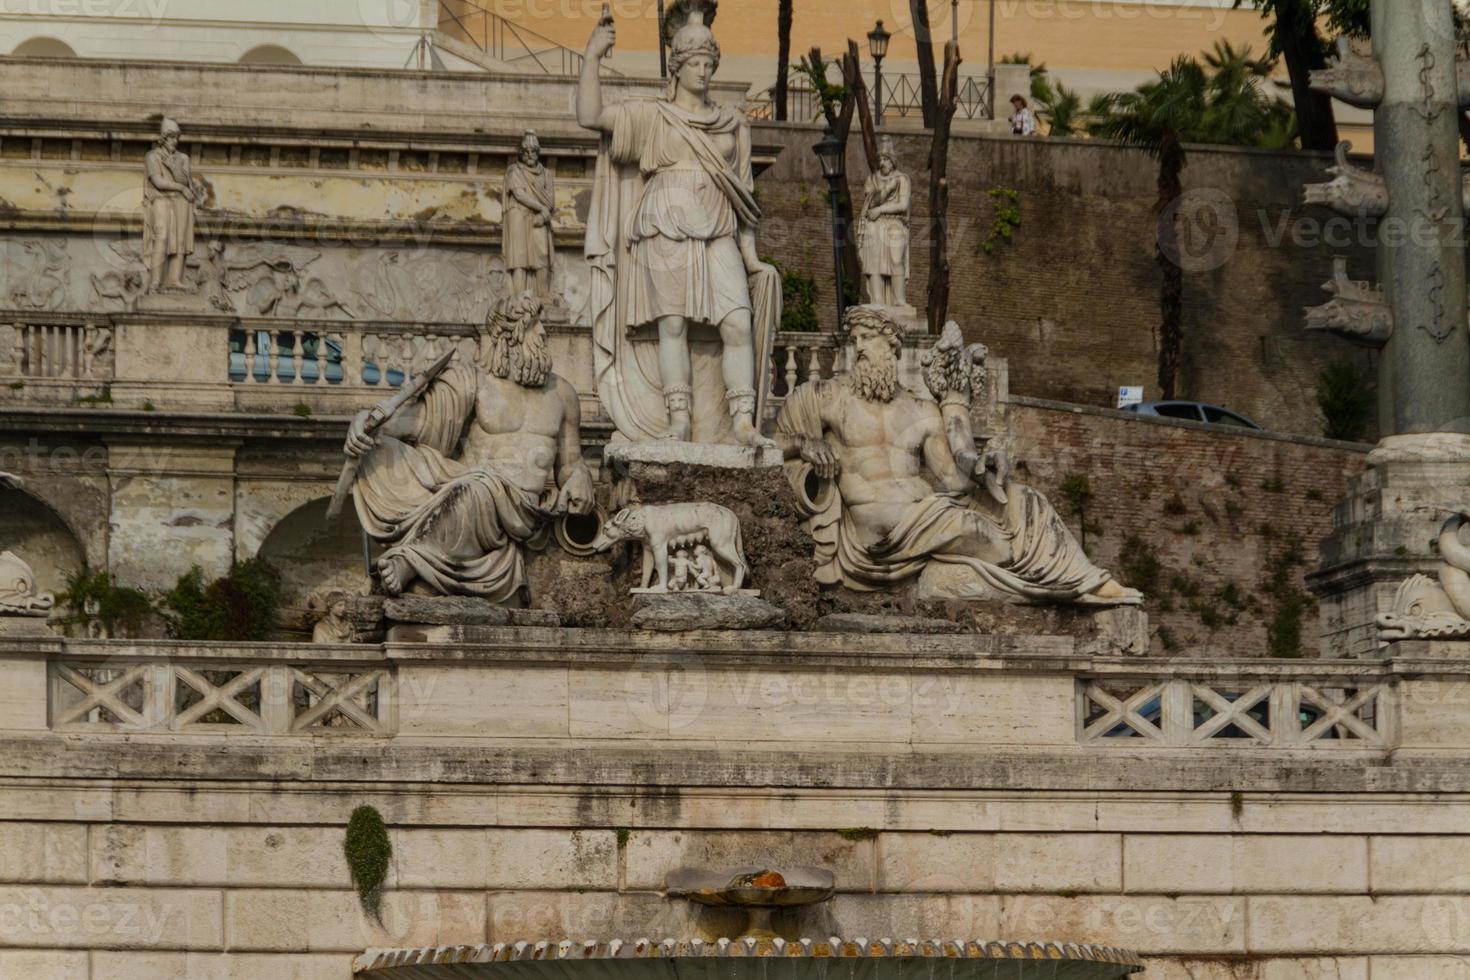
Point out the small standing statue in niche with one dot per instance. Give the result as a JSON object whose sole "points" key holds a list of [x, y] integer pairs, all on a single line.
{"points": [[883, 231], [169, 198], [528, 204], [671, 239]]}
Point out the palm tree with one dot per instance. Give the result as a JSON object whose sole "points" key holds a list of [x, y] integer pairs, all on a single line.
{"points": [[1062, 110], [1188, 104]]}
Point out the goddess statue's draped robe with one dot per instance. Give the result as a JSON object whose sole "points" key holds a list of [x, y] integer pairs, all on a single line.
{"points": [[525, 245], [672, 193], [461, 526], [167, 216], [1024, 554]]}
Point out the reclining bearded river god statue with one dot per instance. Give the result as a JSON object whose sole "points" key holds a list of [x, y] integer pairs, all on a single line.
{"points": [[873, 447], [671, 242], [453, 478]]}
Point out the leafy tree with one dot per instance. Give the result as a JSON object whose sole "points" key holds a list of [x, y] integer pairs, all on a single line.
{"points": [[784, 15], [1188, 103], [1346, 402], [1294, 36]]}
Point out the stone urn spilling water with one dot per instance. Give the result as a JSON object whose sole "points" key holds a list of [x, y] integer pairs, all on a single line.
{"points": [[759, 954]]}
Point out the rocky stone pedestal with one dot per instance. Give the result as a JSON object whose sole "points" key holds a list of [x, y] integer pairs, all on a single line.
{"points": [[1385, 532], [454, 619], [751, 484], [678, 612]]}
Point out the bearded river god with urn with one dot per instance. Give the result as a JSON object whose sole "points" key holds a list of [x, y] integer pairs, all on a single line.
{"points": [[671, 242]]}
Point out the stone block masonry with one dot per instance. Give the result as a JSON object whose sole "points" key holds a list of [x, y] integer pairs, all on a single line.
{"points": [[946, 782]]}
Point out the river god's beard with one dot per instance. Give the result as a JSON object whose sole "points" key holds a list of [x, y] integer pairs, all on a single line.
{"points": [[875, 379], [527, 362]]}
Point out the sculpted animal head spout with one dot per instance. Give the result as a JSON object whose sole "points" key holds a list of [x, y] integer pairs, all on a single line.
{"points": [[18, 594], [873, 337], [513, 344]]}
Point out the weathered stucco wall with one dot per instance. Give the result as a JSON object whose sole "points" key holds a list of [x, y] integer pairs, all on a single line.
{"points": [[1073, 299]]}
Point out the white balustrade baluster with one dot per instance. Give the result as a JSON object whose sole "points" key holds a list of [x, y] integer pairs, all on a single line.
{"points": [[790, 369], [250, 352], [321, 359], [361, 350], [298, 355], [814, 366]]}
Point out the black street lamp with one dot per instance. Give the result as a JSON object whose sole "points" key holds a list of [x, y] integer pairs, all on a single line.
{"points": [[878, 48], [830, 152]]}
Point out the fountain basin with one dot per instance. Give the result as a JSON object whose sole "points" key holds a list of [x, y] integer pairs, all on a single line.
{"points": [[752, 959]]}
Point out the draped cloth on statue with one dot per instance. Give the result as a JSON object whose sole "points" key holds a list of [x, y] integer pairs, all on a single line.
{"points": [[1023, 554], [883, 243], [459, 526], [672, 192], [167, 217], [525, 245]]}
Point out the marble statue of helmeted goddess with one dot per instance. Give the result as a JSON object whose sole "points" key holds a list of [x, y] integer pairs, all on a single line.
{"points": [[683, 311]]}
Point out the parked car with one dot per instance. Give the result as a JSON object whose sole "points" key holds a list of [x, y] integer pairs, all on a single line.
{"points": [[1194, 412]]}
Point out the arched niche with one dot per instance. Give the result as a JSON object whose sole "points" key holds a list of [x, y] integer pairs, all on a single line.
{"points": [[39, 537], [312, 554], [269, 54], [44, 47]]}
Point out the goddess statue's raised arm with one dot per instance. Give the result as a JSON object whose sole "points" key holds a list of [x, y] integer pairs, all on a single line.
{"points": [[591, 113]]}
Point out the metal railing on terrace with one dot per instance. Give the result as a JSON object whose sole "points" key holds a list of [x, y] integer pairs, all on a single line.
{"points": [[902, 97], [506, 41]]}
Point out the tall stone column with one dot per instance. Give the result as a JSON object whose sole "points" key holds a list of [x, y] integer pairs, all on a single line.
{"points": [[1425, 368], [1386, 531]]}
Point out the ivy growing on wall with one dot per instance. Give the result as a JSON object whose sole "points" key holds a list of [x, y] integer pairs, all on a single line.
{"points": [[243, 605], [95, 598], [1006, 220], [368, 851]]}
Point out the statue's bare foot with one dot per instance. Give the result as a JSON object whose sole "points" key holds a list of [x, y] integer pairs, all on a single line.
{"points": [[1113, 589], [748, 435], [680, 428], [395, 575]]}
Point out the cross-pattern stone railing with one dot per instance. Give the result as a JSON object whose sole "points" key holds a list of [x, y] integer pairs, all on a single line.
{"points": [[220, 697], [1345, 712]]}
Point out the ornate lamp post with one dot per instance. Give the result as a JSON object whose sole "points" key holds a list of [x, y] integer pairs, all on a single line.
{"points": [[878, 48], [829, 151]]}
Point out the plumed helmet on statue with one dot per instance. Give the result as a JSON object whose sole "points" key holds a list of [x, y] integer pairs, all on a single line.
{"points": [[530, 139], [687, 32], [168, 128]]}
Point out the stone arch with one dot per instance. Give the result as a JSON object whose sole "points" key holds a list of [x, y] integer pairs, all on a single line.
{"points": [[312, 554], [269, 54], [44, 47], [41, 538]]}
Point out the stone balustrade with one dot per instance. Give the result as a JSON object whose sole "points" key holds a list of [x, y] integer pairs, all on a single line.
{"points": [[768, 687], [330, 367]]}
